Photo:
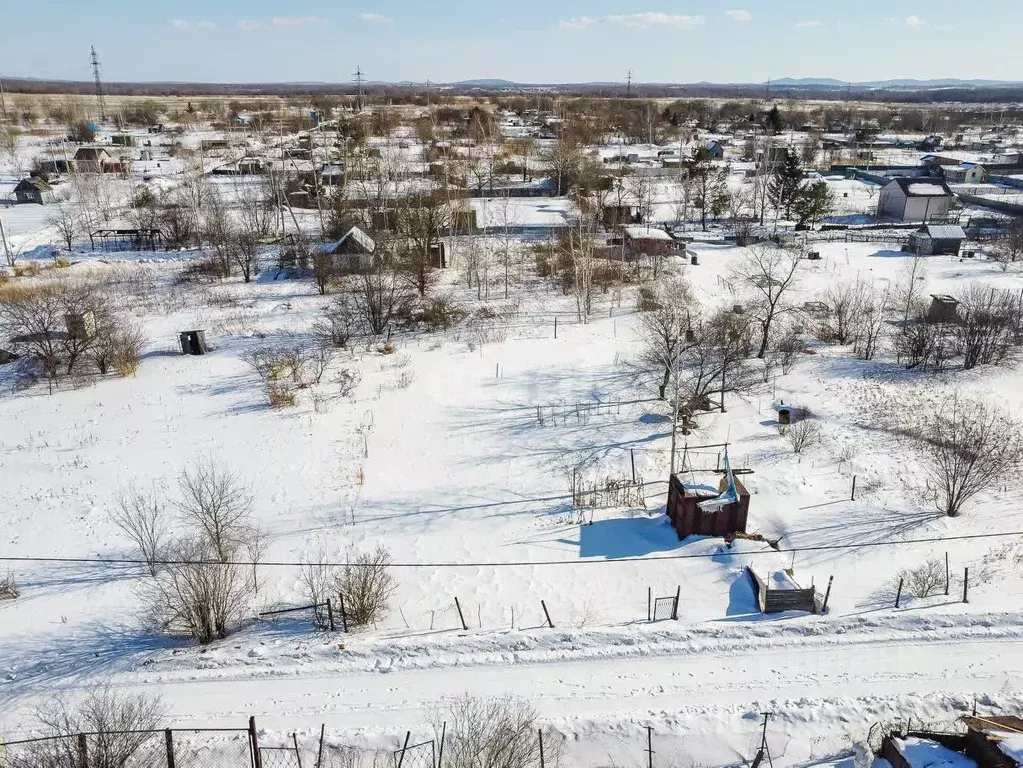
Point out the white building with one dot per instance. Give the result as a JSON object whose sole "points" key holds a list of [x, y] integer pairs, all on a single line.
{"points": [[915, 199]]}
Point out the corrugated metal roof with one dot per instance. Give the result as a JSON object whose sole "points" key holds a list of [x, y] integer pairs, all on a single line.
{"points": [[945, 231]]}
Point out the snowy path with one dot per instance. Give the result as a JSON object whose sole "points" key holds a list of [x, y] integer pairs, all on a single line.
{"points": [[787, 676]]}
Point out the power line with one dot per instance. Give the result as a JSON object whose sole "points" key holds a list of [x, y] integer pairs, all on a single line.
{"points": [[514, 563]]}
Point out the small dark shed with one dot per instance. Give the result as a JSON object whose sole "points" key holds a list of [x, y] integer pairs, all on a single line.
{"points": [[193, 342], [943, 309], [33, 191], [937, 240], [689, 520]]}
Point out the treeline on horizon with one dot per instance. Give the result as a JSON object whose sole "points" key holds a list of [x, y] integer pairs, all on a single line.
{"points": [[419, 94]]}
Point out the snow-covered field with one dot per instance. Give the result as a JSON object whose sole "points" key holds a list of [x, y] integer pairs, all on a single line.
{"points": [[455, 469]]}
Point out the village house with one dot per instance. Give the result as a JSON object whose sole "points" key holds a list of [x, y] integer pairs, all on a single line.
{"points": [[649, 241], [905, 199], [34, 190], [715, 150], [937, 240], [353, 251], [95, 160], [967, 173]]}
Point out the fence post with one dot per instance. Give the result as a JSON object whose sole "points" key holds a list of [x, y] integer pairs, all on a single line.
{"points": [[827, 594], [443, 734], [545, 613], [83, 751], [465, 627], [650, 746], [948, 582], [330, 615], [404, 748], [632, 456], [344, 616], [169, 738], [257, 759], [649, 603], [539, 732], [966, 585], [298, 755], [853, 497], [555, 326], [898, 595], [674, 608], [319, 752]]}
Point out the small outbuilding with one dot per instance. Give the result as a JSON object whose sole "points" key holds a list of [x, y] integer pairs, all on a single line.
{"points": [[652, 241], [687, 517], [909, 199], [715, 150], [967, 173], [193, 342], [353, 251], [937, 240], [943, 309], [34, 190]]}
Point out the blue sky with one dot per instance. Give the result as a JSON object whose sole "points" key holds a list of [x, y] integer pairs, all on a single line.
{"points": [[523, 40]]}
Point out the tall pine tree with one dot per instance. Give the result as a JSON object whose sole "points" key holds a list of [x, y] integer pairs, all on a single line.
{"points": [[785, 182]]}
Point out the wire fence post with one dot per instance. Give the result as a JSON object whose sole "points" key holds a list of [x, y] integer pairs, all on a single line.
{"points": [[547, 614], [966, 585], [674, 608], [649, 603], [443, 734], [650, 746], [330, 615], [257, 759], [344, 616], [539, 732], [853, 496], [948, 582], [461, 617], [319, 752], [898, 595], [298, 755], [632, 456], [168, 736], [555, 326], [404, 748], [827, 595], [83, 751]]}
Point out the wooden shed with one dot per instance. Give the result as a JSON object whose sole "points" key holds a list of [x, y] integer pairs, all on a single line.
{"points": [[33, 191], [689, 519], [777, 591], [937, 240], [943, 309]]}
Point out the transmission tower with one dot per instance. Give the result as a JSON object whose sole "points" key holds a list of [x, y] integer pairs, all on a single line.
{"points": [[360, 78], [628, 86], [99, 84]]}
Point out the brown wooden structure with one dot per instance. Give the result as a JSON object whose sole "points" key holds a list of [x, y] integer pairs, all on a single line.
{"points": [[689, 520], [777, 600]]}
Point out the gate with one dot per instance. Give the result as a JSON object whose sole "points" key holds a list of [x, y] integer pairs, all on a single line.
{"points": [[422, 755], [666, 607]]}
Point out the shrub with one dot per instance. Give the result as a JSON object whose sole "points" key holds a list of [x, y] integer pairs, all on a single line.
{"points": [[494, 732], [440, 313], [347, 380], [803, 434], [925, 579], [647, 301], [386, 349], [9, 588], [280, 395], [365, 587]]}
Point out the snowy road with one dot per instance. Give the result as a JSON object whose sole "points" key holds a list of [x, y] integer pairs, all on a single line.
{"points": [[788, 677]]}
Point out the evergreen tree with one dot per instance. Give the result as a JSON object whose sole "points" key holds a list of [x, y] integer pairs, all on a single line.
{"points": [[785, 183], [812, 203], [774, 121]]}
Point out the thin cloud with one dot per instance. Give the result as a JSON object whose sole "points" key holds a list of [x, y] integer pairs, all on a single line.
{"points": [[188, 26], [739, 15], [808, 24], [635, 20], [297, 21], [375, 18], [914, 22], [247, 25]]}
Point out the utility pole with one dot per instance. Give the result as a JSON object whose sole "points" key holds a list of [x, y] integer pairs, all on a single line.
{"points": [[3, 104], [628, 86], [359, 80], [99, 84], [3, 238]]}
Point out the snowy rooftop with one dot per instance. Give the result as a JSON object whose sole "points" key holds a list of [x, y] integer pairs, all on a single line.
{"points": [[648, 233], [924, 753], [923, 189]]}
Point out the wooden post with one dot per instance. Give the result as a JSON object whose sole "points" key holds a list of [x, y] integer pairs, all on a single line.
{"points": [[344, 616], [674, 608], [555, 326], [330, 615], [827, 595], [948, 582], [83, 751], [461, 617], [547, 614], [632, 456], [650, 746], [319, 752], [298, 755], [853, 497], [539, 732], [898, 595], [966, 585], [404, 748], [649, 603], [257, 759], [168, 736], [443, 734]]}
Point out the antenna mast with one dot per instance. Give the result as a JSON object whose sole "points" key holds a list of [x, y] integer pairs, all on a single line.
{"points": [[359, 80], [628, 86], [99, 84]]}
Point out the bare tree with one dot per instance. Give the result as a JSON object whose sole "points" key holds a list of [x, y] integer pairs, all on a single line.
{"points": [[985, 330], [64, 219], [803, 434], [665, 329], [910, 287], [141, 514], [218, 503], [365, 586], [379, 293], [968, 446], [768, 273], [118, 727], [338, 321], [493, 733]]}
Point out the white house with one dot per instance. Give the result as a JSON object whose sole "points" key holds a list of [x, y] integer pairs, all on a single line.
{"points": [[915, 199], [967, 173]]}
